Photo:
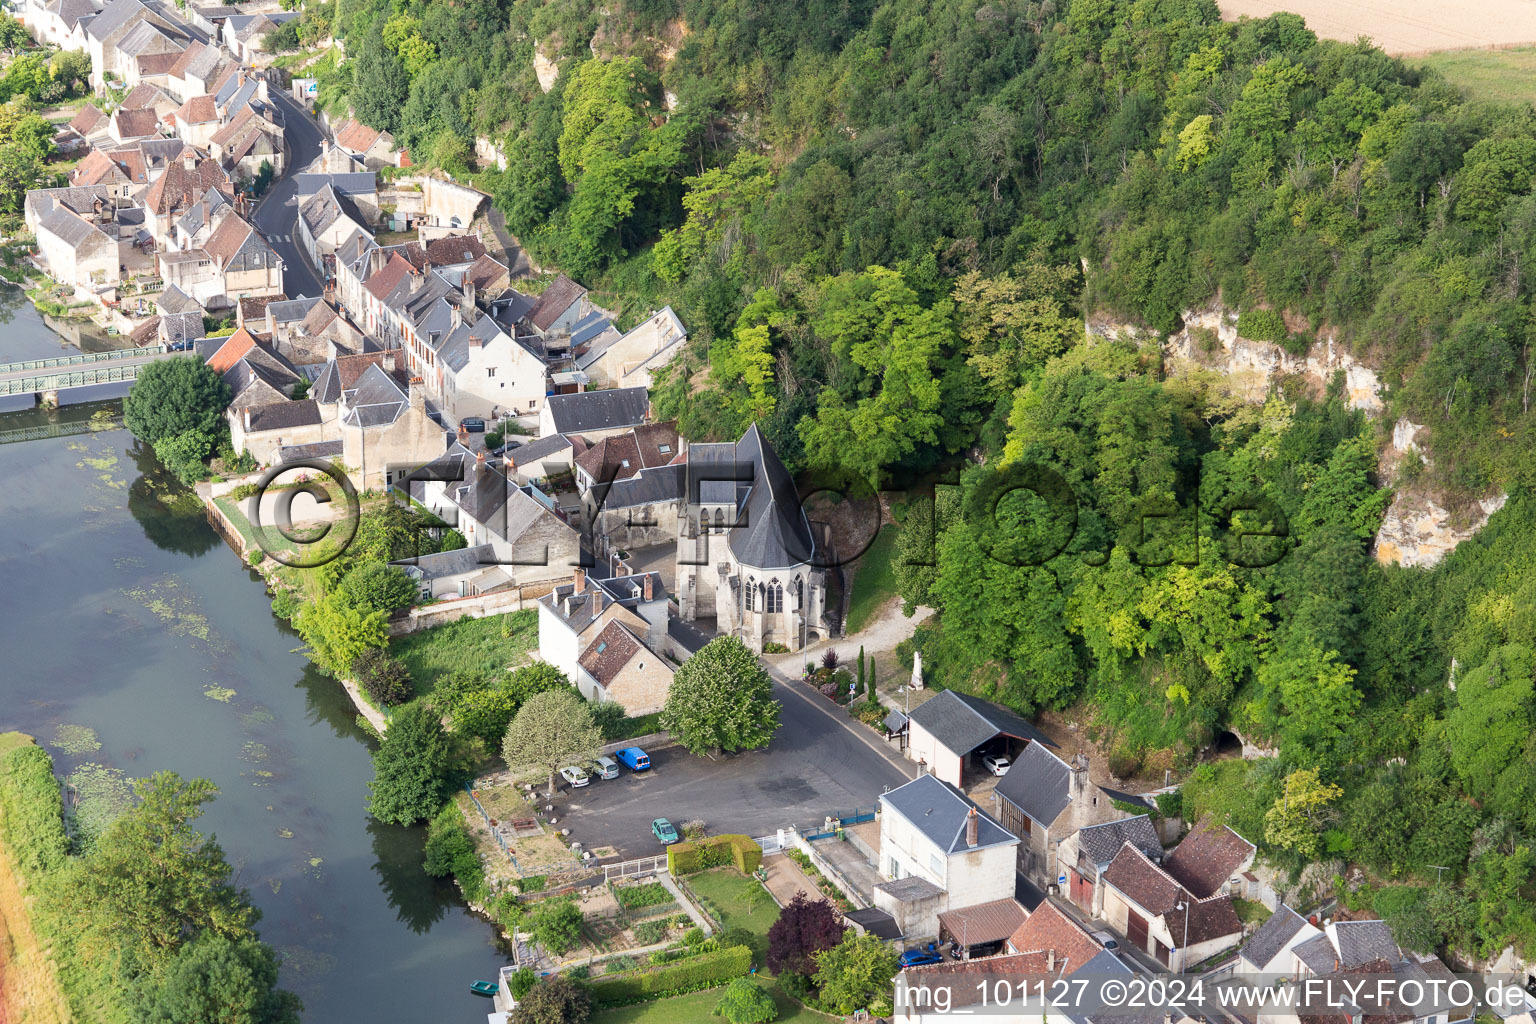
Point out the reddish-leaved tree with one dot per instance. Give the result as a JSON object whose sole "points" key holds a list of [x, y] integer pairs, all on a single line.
{"points": [[804, 928]]}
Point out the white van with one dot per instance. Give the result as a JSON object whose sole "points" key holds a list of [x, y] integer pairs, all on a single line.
{"points": [[606, 768]]}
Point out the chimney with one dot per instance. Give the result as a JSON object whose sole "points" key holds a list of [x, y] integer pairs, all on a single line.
{"points": [[414, 392], [580, 584], [479, 459], [1050, 960], [648, 587], [240, 77], [247, 418], [389, 362], [972, 828], [455, 318], [189, 163], [469, 291], [377, 257]]}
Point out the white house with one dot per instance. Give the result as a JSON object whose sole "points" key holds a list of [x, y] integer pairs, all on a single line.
{"points": [[949, 730], [1268, 951], [939, 851]]}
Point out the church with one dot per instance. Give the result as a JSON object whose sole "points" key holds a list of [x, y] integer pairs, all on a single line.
{"points": [[748, 557]]}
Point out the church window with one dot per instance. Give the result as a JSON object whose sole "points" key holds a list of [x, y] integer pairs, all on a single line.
{"points": [[775, 595], [751, 592]]}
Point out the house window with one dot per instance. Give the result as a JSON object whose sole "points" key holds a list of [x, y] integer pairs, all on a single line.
{"points": [[895, 871], [775, 596], [936, 863], [490, 371], [751, 592]]}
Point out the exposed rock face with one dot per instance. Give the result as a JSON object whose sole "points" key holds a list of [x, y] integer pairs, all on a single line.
{"points": [[1417, 531], [547, 70], [1261, 361]]}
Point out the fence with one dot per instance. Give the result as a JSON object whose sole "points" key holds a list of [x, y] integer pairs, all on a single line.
{"points": [[496, 835], [641, 867], [772, 844]]}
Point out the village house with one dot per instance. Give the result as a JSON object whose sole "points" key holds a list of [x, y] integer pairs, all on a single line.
{"points": [[252, 138], [572, 614], [595, 414], [184, 183], [256, 375], [632, 487], [538, 460], [309, 333], [630, 359], [58, 23], [327, 219], [1210, 859], [951, 730], [234, 262], [372, 147], [128, 126], [197, 72], [448, 206], [1434, 999], [360, 188], [142, 26], [1160, 916], [86, 237], [1084, 856], [1268, 950], [244, 33], [619, 667], [939, 851], [196, 121], [87, 128], [1043, 800]]}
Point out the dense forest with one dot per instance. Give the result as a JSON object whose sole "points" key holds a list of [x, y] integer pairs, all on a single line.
{"points": [[884, 221]]}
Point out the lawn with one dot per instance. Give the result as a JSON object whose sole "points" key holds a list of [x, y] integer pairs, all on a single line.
{"points": [[1494, 76], [1251, 911], [699, 1008], [467, 646], [875, 581], [737, 900]]}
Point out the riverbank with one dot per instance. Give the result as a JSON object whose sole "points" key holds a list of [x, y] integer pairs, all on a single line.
{"points": [[29, 979]]}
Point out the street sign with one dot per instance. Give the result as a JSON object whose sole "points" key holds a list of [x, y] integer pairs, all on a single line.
{"points": [[1061, 879]]}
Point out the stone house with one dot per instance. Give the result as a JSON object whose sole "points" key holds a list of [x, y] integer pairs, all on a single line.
{"points": [[619, 667], [1160, 916], [249, 139], [185, 181], [360, 188], [449, 205], [326, 219], [197, 71], [264, 430], [119, 20], [558, 307], [572, 614], [939, 851], [233, 263], [374, 148], [1043, 800], [630, 359], [542, 458], [947, 730], [196, 121], [1087, 853], [58, 23], [1210, 858], [1268, 950]]}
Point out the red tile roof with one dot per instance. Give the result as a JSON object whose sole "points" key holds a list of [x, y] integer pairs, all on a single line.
{"points": [[1050, 930], [609, 652], [198, 110], [88, 119], [135, 124], [158, 63], [384, 282], [1209, 856], [984, 922], [356, 136], [179, 186], [143, 97], [232, 351], [96, 168], [1156, 892]]}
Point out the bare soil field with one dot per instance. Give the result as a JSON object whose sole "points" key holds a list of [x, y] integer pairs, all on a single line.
{"points": [[1406, 27]]}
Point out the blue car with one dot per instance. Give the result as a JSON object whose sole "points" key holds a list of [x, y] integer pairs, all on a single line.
{"points": [[921, 957]]}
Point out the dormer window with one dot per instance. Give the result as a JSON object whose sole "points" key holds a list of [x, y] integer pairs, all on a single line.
{"points": [[665, 449]]}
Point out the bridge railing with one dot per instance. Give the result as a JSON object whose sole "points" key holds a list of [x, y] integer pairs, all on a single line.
{"points": [[83, 358]]}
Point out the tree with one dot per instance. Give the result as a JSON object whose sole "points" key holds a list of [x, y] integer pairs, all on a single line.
{"points": [[721, 699], [803, 929], [551, 730], [185, 454], [1491, 724], [1297, 818], [383, 678], [556, 1000], [216, 980], [378, 587], [745, 1002], [556, 924], [410, 768], [175, 396], [153, 881], [856, 975], [1319, 698], [338, 631]]}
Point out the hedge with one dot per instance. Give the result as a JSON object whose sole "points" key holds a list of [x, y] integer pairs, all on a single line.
{"points": [[706, 970], [33, 810], [699, 854]]}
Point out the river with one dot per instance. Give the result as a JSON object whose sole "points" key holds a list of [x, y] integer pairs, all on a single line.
{"points": [[124, 614]]}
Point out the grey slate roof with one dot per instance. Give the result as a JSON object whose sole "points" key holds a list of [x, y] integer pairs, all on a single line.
{"points": [[186, 326], [772, 530], [599, 410], [1102, 842], [962, 722], [452, 563], [314, 450], [1039, 783], [875, 922], [895, 721], [1318, 954], [939, 811], [648, 487], [285, 415], [355, 183], [1272, 936], [114, 16], [1362, 941], [538, 448]]}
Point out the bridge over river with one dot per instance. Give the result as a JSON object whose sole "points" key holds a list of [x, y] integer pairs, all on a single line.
{"points": [[47, 377]]}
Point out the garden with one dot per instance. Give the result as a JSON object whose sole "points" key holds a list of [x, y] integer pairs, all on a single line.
{"points": [[856, 691]]}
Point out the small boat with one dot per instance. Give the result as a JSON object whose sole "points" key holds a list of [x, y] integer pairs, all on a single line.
{"points": [[483, 988]]}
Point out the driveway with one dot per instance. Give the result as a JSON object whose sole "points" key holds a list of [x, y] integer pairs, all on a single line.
{"points": [[277, 216]]}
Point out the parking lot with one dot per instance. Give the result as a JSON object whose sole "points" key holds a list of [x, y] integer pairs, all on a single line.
{"points": [[755, 792]]}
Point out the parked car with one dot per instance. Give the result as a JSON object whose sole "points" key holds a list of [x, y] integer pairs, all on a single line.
{"points": [[664, 831], [997, 764], [506, 447], [605, 768], [474, 425], [1107, 940], [575, 776], [633, 758], [919, 957]]}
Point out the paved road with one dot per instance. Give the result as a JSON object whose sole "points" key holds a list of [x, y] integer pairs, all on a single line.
{"points": [[277, 216]]}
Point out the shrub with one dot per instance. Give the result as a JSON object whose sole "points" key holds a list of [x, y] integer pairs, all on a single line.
{"points": [[830, 690], [745, 1002], [1124, 762], [697, 855], [704, 971], [493, 439], [33, 809], [382, 677], [556, 925], [521, 983], [556, 1000], [1261, 325], [829, 659], [1170, 805], [774, 647], [693, 936]]}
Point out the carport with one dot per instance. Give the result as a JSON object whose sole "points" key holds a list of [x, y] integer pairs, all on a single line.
{"points": [[950, 731]]}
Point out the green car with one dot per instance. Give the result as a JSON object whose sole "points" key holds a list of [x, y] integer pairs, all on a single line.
{"points": [[662, 829]]}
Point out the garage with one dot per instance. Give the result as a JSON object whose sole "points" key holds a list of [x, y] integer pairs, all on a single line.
{"points": [[951, 733]]}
